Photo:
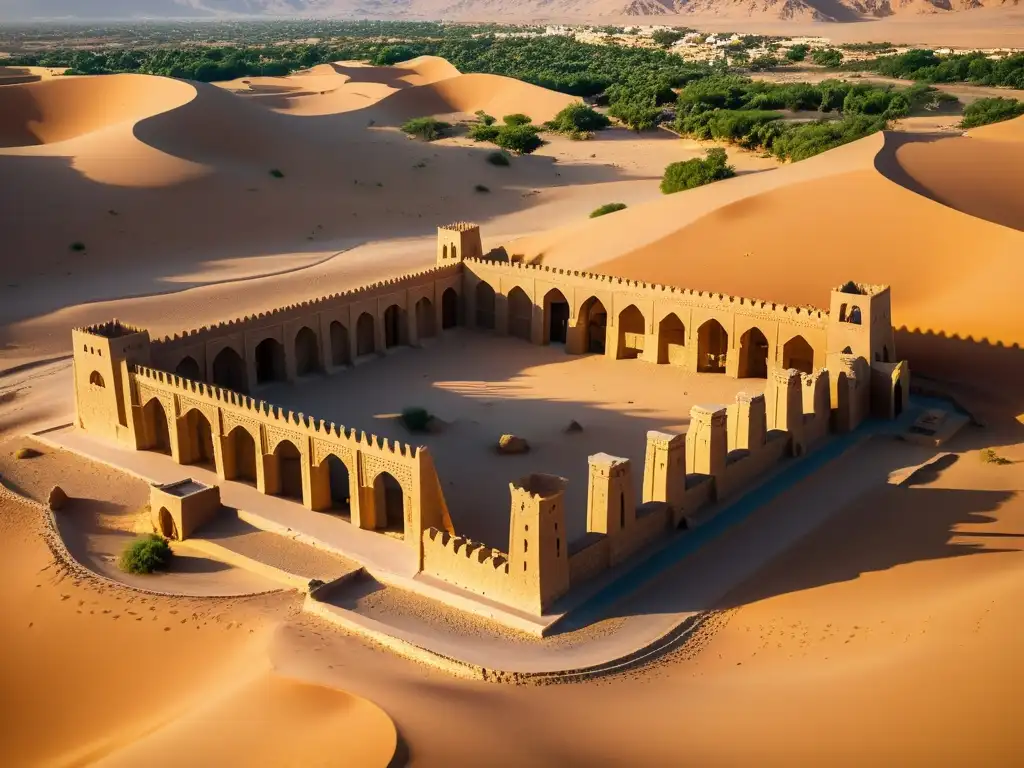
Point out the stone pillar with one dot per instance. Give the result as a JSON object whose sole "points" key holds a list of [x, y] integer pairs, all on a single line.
{"points": [[611, 505], [178, 438], [707, 441], [290, 372], [575, 339], [468, 300], [227, 461], [501, 310], [379, 336], [665, 472], [747, 423], [784, 403], [268, 474], [251, 381]]}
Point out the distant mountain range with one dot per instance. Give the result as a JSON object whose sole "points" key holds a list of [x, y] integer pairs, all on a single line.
{"points": [[498, 10]]}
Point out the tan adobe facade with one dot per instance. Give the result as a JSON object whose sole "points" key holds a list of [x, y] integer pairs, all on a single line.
{"points": [[189, 396]]}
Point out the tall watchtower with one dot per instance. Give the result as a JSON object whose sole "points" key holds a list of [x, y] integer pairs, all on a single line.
{"points": [[100, 399], [458, 241], [537, 547], [860, 323]]}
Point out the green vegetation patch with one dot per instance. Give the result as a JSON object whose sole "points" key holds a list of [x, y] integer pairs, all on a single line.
{"points": [[416, 419], [696, 173], [606, 209], [145, 555], [500, 158], [988, 111], [578, 118], [426, 128]]}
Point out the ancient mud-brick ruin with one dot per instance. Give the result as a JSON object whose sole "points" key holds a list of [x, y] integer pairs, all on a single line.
{"points": [[194, 396]]}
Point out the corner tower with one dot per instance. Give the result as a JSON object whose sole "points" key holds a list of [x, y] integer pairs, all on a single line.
{"points": [[458, 241], [102, 405], [537, 547], [860, 323]]}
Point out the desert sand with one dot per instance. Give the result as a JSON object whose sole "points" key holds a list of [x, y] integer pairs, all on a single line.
{"points": [[886, 636]]}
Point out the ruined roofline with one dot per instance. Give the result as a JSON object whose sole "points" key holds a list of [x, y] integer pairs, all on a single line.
{"points": [[468, 548], [310, 304], [262, 409], [460, 226], [813, 313], [111, 329], [860, 289]]}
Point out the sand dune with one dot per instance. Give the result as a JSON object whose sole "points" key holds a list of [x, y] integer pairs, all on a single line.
{"points": [[850, 213], [494, 94], [64, 108]]}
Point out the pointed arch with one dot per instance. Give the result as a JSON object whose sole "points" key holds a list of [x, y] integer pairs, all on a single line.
{"points": [[241, 448], [289, 467], [712, 347], [593, 320], [520, 314], [798, 355], [366, 335], [158, 433], [396, 327], [426, 326], [199, 439], [632, 333], [307, 352], [340, 481], [229, 371], [485, 305], [389, 502], [753, 363], [449, 309], [671, 340], [270, 361], [188, 368], [340, 354], [97, 380], [556, 317]]}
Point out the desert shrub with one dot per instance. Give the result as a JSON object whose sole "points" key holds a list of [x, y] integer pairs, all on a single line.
{"points": [[146, 554], [517, 118], [695, 173], [482, 188], [989, 456], [499, 158], [523, 139], [277, 173], [827, 57], [484, 117], [799, 142], [77, 246], [666, 37], [987, 111], [798, 52], [606, 209], [762, 63], [484, 132], [416, 419], [578, 118], [426, 128]]}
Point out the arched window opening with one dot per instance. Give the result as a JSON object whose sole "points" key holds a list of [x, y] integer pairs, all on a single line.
{"points": [[188, 368], [520, 314], [96, 380], [753, 355], [449, 309], [270, 361], [366, 343], [307, 352], [485, 306], [340, 354], [229, 371], [426, 327], [712, 347], [556, 317], [632, 333]]}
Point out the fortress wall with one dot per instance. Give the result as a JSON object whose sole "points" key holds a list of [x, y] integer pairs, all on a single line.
{"points": [[283, 324], [662, 327], [590, 561], [470, 565]]}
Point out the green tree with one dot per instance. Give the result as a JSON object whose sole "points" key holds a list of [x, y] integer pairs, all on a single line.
{"points": [[798, 52], [578, 117], [994, 110], [522, 139], [666, 37], [517, 118], [827, 57], [695, 173]]}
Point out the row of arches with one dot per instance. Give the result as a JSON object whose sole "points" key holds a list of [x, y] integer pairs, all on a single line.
{"points": [[197, 448], [592, 321], [229, 370]]}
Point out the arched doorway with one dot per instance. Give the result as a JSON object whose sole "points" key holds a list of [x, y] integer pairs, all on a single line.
{"points": [[426, 327], [289, 467], [243, 447], [340, 354], [556, 317], [520, 314], [753, 355], [449, 309], [485, 301], [389, 501], [307, 352], [671, 340], [340, 481], [632, 333], [156, 422], [200, 439], [229, 371], [593, 320], [366, 342], [798, 354], [395, 331], [270, 361], [188, 368], [167, 527], [712, 347]]}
